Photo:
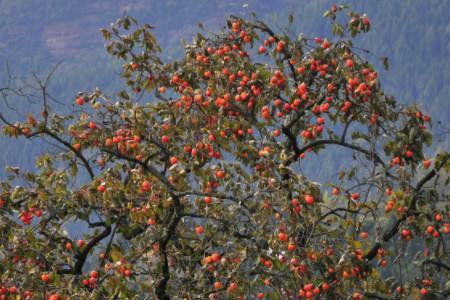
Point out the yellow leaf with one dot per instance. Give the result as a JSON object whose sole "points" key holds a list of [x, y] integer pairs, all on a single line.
{"points": [[357, 244], [116, 254], [375, 274]]}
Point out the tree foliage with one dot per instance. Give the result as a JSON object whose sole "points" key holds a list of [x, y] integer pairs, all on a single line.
{"points": [[194, 186]]}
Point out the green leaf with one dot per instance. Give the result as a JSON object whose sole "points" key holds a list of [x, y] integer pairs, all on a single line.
{"points": [[337, 29], [124, 95], [106, 34], [385, 61]]}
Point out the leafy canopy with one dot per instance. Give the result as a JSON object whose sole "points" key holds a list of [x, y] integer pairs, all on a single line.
{"points": [[191, 184]]}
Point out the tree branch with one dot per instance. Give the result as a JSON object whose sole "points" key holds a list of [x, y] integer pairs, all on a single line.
{"points": [[369, 154], [393, 230], [81, 257], [437, 263]]}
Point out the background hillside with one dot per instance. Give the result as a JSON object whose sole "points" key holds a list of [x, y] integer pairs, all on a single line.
{"points": [[36, 34]]}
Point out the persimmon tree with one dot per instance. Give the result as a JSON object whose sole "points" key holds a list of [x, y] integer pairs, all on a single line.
{"points": [[190, 186]]}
